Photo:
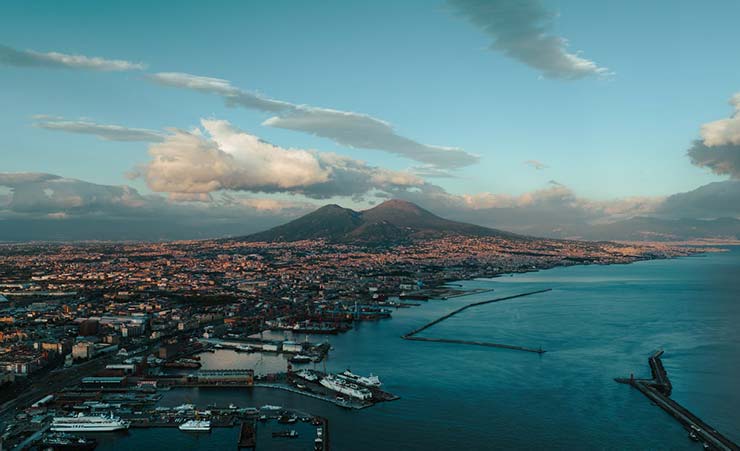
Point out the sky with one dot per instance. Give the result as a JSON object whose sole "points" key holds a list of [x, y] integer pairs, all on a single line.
{"points": [[264, 107]]}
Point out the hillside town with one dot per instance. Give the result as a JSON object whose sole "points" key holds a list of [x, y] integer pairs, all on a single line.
{"points": [[67, 303]]}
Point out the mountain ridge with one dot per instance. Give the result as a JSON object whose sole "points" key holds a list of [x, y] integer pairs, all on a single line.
{"points": [[391, 222]]}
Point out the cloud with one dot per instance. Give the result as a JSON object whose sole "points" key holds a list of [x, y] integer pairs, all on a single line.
{"points": [[719, 148], [366, 132], [222, 157], [543, 212], [724, 131], [232, 96], [346, 128], [102, 131], [538, 165], [45, 206], [521, 30], [30, 58]]}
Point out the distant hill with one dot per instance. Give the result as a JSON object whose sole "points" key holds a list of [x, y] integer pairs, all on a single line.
{"points": [[391, 222], [657, 229]]}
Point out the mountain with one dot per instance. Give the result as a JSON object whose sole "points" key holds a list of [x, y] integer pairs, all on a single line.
{"points": [[659, 229], [391, 222]]}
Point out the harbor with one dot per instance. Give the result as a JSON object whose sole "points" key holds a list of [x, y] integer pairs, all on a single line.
{"points": [[498, 382]]}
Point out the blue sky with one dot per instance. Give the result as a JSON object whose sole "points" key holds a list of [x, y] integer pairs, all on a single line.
{"points": [[419, 65]]}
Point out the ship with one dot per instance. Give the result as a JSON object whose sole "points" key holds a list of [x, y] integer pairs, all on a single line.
{"points": [[196, 426], [60, 441], [85, 423], [300, 358], [345, 387], [369, 381]]}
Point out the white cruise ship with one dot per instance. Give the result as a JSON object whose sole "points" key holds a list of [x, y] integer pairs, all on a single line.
{"points": [[369, 381], [342, 386], [196, 426], [85, 423]]}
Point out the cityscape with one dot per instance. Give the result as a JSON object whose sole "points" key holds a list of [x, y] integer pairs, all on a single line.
{"points": [[475, 224]]}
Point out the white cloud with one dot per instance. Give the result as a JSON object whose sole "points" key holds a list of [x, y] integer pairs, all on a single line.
{"points": [[719, 148], [103, 131], [30, 58], [724, 131], [346, 128], [520, 30], [222, 157], [538, 165]]}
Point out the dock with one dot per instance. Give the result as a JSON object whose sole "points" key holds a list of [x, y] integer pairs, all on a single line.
{"points": [[659, 388], [412, 335], [247, 436]]}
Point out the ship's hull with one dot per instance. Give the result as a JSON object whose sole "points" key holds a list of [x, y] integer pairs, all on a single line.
{"points": [[87, 428]]}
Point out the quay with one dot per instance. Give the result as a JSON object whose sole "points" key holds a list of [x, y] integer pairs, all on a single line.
{"points": [[658, 390], [346, 403], [247, 436], [412, 335]]}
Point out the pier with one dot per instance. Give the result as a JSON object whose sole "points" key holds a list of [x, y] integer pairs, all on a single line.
{"points": [[247, 436], [658, 390], [412, 335]]}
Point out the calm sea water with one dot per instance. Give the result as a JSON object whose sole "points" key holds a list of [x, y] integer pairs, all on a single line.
{"points": [[599, 322]]}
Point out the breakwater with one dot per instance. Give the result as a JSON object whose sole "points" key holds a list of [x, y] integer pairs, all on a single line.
{"points": [[413, 334]]}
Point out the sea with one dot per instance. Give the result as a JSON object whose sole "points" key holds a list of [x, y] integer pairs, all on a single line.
{"points": [[597, 323]]}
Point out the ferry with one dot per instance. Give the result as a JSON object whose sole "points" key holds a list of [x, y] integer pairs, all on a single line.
{"points": [[83, 423], [369, 381], [345, 387], [196, 426]]}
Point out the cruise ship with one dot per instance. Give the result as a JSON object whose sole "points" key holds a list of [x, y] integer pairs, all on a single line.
{"points": [[196, 426], [369, 381], [343, 386], [87, 423]]}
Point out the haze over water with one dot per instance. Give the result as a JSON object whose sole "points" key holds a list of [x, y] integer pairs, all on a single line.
{"points": [[599, 322]]}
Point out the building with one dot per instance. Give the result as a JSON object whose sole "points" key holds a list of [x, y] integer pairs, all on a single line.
{"points": [[223, 377], [82, 350]]}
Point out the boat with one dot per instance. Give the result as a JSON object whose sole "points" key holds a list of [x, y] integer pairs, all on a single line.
{"points": [[693, 436], [88, 423], [243, 348], [287, 434], [287, 419], [184, 407], [270, 407], [300, 358], [369, 381], [308, 375], [196, 426], [67, 442], [345, 387]]}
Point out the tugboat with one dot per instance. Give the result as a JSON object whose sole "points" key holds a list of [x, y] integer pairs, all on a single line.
{"points": [[286, 434], [68, 442]]}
